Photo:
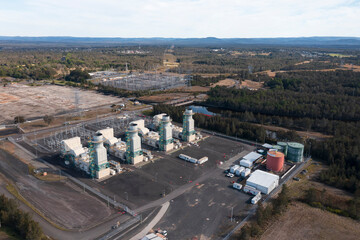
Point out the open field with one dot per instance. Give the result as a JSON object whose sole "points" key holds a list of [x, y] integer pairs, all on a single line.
{"points": [[30, 102], [170, 61], [301, 221], [61, 201], [304, 62], [164, 97], [251, 84], [355, 68], [225, 83], [304, 134], [340, 55]]}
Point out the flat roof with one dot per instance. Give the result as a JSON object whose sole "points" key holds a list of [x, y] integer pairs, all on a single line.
{"points": [[262, 178], [253, 156], [266, 145]]}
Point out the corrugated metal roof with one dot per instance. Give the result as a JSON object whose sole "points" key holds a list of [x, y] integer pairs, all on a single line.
{"points": [[262, 178], [246, 163], [253, 156]]}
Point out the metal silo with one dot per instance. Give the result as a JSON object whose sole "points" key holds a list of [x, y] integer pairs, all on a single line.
{"points": [[277, 148], [284, 146], [275, 161], [295, 152]]}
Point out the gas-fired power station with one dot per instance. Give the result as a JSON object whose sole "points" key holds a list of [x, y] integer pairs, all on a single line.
{"points": [[93, 159]]}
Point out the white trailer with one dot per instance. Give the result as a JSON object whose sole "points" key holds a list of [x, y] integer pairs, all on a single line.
{"points": [[255, 199], [237, 186], [188, 158], [203, 160], [233, 168], [239, 171], [251, 190], [246, 172]]}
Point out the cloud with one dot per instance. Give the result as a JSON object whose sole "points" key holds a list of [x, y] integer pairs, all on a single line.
{"points": [[181, 18]]}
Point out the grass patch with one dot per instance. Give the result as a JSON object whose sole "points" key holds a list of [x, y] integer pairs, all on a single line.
{"points": [[339, 55]]}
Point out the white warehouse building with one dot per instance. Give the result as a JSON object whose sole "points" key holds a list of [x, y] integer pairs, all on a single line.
{"points": [[263, 181]]}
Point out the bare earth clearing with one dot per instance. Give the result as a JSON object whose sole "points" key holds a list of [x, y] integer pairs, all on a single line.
{"points": [[301, 221], [355, 68], [19, 99], [164, 97], [306, 134], [228, 82], [251, 84]]}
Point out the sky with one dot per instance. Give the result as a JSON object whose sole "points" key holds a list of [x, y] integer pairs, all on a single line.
{"points": [[180, 18]]}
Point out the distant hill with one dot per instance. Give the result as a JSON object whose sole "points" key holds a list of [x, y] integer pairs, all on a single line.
{"points": [[210, 41]]}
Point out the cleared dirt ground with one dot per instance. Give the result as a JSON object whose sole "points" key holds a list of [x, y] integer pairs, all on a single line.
{"points": [[306, 134], [20, 99], [301, 221], [164, 97], [225, 83], [355, 68], [251, 84]]}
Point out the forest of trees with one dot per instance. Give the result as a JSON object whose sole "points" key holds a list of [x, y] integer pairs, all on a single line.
{"points": [[18, 221], [337, 82], [326, 102], [287, 103], [78, 76]]}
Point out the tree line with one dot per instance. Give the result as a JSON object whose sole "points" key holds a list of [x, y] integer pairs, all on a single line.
{"points": [[339, 82], [286, 103], [19, 221]]}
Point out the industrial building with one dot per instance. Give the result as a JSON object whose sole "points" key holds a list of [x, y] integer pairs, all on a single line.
{"points": [[92, 160], [275, 161], [134, 153], [166, 141], [188, 133], [249, 159], [99, 155], [263, 181]]}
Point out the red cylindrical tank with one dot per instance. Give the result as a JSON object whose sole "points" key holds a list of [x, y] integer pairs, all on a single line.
{"points": [[275, 161]]}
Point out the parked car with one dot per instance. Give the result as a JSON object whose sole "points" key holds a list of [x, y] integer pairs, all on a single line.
{"points": [[230, 175]]}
